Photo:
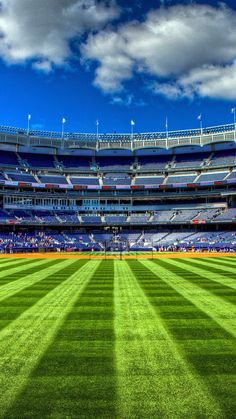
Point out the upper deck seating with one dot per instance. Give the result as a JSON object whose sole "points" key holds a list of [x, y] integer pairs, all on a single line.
{"points": [[185, 215], [149, 180], [21, 177], [8, 158], [156, 163], [223, 158], [139, 218], [116, 219], [57, 180], [90, 180], [212, 177], [165, 216], [116, 179], [93, 219], [75, 162], [232, 176], [190, 160], [114, 163], [189, 178], [229, 214], [38, 160]]}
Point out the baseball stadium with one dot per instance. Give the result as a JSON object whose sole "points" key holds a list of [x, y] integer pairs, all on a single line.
{"points": [[117, 274]]}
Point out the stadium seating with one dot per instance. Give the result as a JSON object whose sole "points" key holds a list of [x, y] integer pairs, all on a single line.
{"points": [[195, 160], [84, 180], [153, 162], [60, 198], [37, 160], [149, 180], [8, 158]]}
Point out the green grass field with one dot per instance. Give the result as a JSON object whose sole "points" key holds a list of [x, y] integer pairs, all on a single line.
{"points": [[118, 339]]}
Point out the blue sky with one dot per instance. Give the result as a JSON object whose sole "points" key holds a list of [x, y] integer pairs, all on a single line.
{"points": [[115, 61]]}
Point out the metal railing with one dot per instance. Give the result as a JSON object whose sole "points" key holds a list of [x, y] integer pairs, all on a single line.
{"points": [[19, 136]]}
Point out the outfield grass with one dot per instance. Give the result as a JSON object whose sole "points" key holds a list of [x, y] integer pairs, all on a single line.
{"points": [[118, 339]]}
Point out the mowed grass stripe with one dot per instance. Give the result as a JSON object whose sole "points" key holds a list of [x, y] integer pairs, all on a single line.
{"points": [[5, 261], [194, 320], [154, 381], [221, 261], [76, 378], [16, 304], [217, 284], [13, 267], [22, 271], [210, 264], [24, 342], [18, 285], [221, 311]]}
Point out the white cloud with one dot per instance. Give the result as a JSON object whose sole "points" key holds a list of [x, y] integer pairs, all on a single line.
{"points": [[41, 30], [185, 49]]}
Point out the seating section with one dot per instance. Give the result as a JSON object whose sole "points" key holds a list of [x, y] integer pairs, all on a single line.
{"points": [[115, 219], [114, 163], [223, 158], [38, 160], [163, 216], [8, 158], [116, 179], [84, 180], [229, 214], [149, 180], [21, 177], [191, 160], [57, 180], [75, 162], [157, 163], [77, 240], [181, 178], [212, 177], [91, 219]]}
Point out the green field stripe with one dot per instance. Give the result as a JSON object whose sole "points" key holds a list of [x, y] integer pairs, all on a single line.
{"points": [[24, 342], [13, 266], [218, 284], [203, 274], [229, 271], [15, 305], [43, 272], [22, 271], [221, 311], [154, 380], [7, 260], [221, 261], [76, 377], [207, 347]]}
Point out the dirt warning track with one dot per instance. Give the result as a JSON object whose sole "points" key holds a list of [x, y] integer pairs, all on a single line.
{"points": [[99, 256]]}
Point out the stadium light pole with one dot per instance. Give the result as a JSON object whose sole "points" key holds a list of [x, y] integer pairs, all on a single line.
{"points": [[132, 124], [28, 126], [167, 132], [63, 121], [97, 126], [233, 111], [201, 130]]}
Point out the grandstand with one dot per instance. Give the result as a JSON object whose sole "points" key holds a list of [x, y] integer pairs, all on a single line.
{"points": [[85, 192]]}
